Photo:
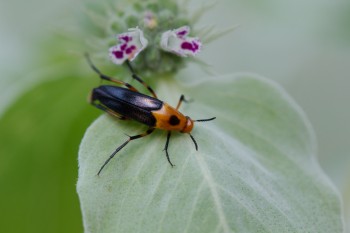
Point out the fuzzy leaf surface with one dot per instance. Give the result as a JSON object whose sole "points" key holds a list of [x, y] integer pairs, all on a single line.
{"points": [[255, 171]]}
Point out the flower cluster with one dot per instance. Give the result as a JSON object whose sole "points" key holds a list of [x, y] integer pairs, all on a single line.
{"points": [[175, 41], [155, 35]]}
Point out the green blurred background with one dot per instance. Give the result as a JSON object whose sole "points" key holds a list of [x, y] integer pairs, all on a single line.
{"points": [[302, 44]]}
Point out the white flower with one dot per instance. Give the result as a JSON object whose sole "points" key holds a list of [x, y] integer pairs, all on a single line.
{"points": [[177, 41], [131, 43]]}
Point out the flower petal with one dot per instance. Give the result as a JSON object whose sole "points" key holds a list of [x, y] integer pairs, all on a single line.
{"points": [[117, 55], [131, 43], [177, 41], [182, 32]]}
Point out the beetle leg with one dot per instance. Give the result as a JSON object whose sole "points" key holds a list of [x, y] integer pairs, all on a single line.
{"points": [[182, 99], [105, 77], [166, 148], [135, 76], [149, 131]]}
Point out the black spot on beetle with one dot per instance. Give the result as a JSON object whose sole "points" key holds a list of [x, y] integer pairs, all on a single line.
{"points": [[173, 120]]}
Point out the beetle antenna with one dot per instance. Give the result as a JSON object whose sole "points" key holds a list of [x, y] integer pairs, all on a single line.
{"points": [[130, 67], [194, 141], [201, 120], [87, 56], [135, 76]]}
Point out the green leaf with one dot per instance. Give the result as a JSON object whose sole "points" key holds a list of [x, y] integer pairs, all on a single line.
{"points": [[255, 171], [38, 146]]}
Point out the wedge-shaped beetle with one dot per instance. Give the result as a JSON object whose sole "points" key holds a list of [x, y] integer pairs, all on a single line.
{"points": [[129, 104]]}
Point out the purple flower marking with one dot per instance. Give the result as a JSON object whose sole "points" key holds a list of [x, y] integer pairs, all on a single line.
{"points": [[181, 34], [131, 49], [186, 45], [118, 54], [123, 47], [125, 38], [192, 46]]}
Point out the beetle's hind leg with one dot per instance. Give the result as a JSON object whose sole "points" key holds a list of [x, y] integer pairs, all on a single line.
{"points": [[149, 131], [135, 76], [166, 148]]}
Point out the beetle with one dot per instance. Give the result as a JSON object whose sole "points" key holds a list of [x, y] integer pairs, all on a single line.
{"points": [[127, 103]]}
